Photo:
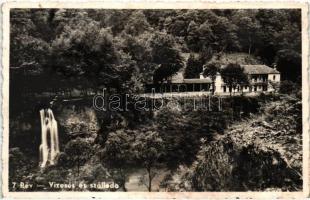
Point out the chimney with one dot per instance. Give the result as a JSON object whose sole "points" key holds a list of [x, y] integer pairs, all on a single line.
{"points": [[274, 66]]}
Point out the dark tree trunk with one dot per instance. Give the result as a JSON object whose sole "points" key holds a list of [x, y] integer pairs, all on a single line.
{"points": [[78, 165], [150, 179], [123, 181], [249, 51], [213, 87]]}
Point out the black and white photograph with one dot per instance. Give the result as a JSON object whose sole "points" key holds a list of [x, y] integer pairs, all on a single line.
{"points": [[155, 100]]}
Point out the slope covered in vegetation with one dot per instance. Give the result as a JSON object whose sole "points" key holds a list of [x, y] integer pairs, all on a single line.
{"points": [[263, 152]]}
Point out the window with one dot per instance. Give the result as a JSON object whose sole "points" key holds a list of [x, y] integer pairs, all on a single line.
{"points": [[174, 88], [274, 77], [264, 79], [182, 88], [245, 87]]}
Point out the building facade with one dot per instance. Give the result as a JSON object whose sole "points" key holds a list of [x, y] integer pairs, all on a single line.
{"points": [[261, 79]]}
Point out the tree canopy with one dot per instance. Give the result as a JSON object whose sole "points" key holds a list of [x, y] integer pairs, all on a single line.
{"points": [[233, 75], [125, 49]]}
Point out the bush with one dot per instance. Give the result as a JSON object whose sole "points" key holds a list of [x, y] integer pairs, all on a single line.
{"points": [[289, 87]]}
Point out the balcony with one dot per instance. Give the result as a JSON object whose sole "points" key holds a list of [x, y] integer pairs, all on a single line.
{"points": [[259, 80]]}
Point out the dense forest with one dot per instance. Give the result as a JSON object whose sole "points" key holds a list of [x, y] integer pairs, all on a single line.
{"points": [[124, 50], [56, 51]]}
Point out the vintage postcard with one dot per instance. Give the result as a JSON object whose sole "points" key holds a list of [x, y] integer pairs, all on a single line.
{"points": [[155, 100]]}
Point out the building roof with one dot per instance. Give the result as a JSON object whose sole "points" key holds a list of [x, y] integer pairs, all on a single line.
{"points": [[248, 69], [179, 78], [198, 80], [257, 69]]}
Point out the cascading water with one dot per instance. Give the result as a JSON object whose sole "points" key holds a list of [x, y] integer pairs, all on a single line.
{"points": [[49, 147]]}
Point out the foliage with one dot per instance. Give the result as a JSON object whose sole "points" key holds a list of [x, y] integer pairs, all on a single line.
{"points": [[213, 172], [193, 67], [148, 149], [81, 56], [233, 75], [165, 55], [179, 134], [289, 87], [78, 151], [248, 30], [211, 70], [139, 49], [18, 164], [248, 157], [288, 63], [137, 24], [49, 40], [28, 47], [117, 154], [122, 51]]}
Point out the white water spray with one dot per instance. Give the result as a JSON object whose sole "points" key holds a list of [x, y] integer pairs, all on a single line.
{"points": [[49, 147]]}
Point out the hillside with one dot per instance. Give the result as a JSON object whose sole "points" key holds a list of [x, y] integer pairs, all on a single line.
{"points": [[144, 44], [263, 152]]}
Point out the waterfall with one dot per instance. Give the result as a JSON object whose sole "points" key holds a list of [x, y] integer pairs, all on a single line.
{"points": [[49, 147]]}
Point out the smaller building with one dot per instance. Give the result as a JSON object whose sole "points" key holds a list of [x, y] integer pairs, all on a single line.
{"points": [[261, 78]]}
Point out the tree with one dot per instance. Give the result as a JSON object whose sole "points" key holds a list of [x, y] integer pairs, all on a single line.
{"points": [[139, 49], [248, 32], [117, 155], [205, 55], [211, 70], [84, 51], [199, 37], [78, 152], [233, 75], [88, 54], [166, 56], [148, 149], [176, 23], [281, 31], [193, 67], [288, 62], [18, 165], [192, 36], [180, 146], [225, 35], [157, 19], [288, 87], [29, 51], [137, 24], [112, 18]]}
